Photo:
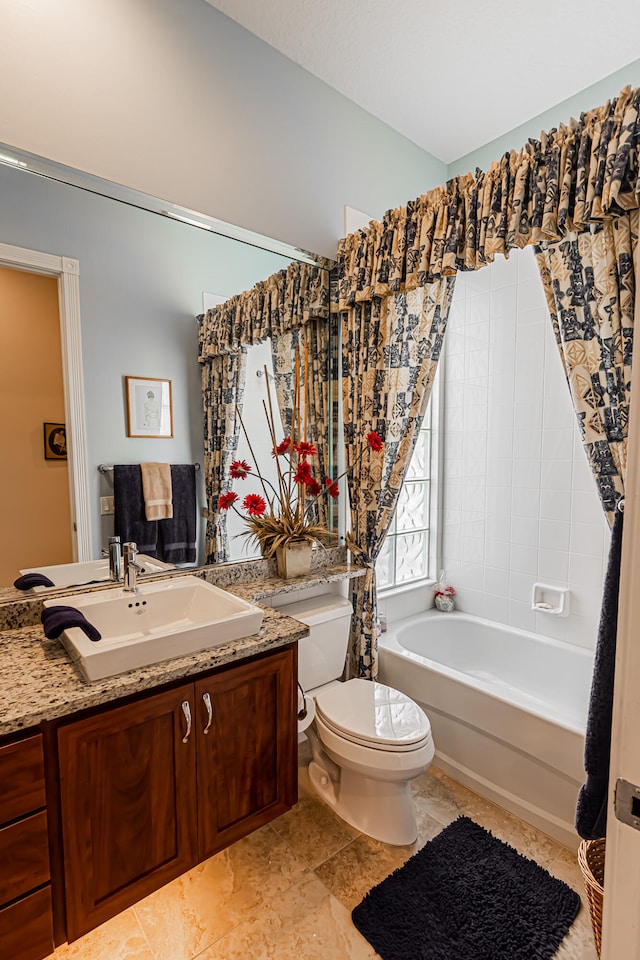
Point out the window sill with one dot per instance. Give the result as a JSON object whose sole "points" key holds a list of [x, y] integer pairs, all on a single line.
{"points": [[397, 590]]}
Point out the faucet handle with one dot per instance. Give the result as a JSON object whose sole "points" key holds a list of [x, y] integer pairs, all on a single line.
{"points": [[130, 550]]}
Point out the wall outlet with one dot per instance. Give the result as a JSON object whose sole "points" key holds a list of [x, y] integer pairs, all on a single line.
{"points": [[107, 507]]}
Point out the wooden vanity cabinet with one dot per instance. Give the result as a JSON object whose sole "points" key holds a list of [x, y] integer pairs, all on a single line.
{"points": [[26, 921], [246, 750], [127, 802], [151, 788]]}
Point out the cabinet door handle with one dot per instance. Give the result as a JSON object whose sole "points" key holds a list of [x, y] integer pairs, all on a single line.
{"points": [[186, 709], [206, 699]]}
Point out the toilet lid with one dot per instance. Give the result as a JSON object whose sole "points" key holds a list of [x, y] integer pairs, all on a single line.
{"points": [[371, 712]]}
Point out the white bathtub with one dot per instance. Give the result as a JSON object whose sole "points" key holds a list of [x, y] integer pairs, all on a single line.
{"points": [[507, 708]]}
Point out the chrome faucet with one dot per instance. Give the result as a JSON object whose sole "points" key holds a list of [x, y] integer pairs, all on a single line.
{"points": [[115, 558], [131, 568]]}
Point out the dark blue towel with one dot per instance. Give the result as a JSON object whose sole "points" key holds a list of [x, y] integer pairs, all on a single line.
{"points": [[591, 812], [58, 618], [29, 580], [177, 535], [129, 522]]}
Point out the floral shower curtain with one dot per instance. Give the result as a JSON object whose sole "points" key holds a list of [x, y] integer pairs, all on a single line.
{"points": [[315, 337], [390, 352], [590, 286], [581, 174], [223, 383]]}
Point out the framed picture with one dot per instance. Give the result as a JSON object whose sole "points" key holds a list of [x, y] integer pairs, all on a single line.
{"points": [[149, 407], [55, 441]]}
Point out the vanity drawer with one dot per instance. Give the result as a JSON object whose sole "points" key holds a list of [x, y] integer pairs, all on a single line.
{"points": [[26, 927], [24, 855], [21, 778]]}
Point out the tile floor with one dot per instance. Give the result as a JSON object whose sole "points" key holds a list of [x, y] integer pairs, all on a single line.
{"points": [[287, 890]]}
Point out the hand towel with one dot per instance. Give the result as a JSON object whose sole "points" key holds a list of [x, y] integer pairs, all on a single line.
{"points": [[156, 490], [591, 811], [178, 535], [58, 618], [130, 523], [29, 580]]}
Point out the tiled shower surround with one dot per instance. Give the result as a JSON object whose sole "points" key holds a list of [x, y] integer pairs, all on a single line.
{"points": [[519, 503]]}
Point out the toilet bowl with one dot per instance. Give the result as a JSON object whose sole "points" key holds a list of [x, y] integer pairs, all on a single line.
{"points": [[368, 741]]}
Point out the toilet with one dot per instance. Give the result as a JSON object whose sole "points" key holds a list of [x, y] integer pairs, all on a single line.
{"points": [[368, 740]]}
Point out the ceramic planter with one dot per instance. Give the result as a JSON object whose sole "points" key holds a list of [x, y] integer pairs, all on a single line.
{"points": [[444, 602], [294, 559]]}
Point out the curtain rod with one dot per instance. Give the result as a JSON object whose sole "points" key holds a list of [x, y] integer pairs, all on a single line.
{"points": [[108, 467]]}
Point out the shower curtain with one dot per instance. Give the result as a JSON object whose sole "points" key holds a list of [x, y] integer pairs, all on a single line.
{"points": [[590, 286], [390, 352]]}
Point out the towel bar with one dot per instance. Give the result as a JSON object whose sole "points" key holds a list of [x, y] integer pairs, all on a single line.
{"points": [[108, 467]]}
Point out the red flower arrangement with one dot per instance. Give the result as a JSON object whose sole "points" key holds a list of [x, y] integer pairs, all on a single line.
{"points": [[286, 511], [445, 592]]}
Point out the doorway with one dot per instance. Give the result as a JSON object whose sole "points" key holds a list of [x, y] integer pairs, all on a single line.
{"points": [[63, 273], [35, 514]]}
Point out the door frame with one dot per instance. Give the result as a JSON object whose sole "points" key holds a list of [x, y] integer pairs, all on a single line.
{"points": [[67, 272], [621, 908]]}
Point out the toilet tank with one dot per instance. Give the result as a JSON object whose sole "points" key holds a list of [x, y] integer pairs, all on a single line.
{"points": [[322, 654]]}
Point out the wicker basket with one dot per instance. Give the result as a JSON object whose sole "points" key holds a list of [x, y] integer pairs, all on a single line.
{"points": [[591, 861]]}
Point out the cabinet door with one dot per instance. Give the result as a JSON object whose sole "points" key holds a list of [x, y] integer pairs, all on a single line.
{"points": [[127, 782], [246, 748]]}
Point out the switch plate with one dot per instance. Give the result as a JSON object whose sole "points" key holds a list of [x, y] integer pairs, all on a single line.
{"points": [[107, 507]]}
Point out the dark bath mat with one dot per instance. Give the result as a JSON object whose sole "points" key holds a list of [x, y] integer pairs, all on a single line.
{"points": [[467, 896]]}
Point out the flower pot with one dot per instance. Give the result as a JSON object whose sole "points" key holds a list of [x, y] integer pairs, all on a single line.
{"points": [[444, 602], [294, 559]]}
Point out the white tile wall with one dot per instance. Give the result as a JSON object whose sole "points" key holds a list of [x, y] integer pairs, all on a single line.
{"points": [[520, 504]]}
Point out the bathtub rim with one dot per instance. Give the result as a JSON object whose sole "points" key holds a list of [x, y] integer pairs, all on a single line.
{"points": [[389, 641]]}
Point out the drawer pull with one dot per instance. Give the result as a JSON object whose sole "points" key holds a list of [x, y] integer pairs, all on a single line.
{"points": [[206, 699], [186, 709]]}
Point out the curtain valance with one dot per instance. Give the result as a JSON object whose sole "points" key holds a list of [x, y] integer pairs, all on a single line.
{"points": [[580, 174], [284, 301]]}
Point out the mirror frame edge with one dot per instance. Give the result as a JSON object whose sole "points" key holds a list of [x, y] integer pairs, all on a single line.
{"points": [[67, 272]]}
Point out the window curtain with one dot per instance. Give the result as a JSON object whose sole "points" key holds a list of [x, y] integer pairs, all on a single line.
{"points": [[589, 282], [390, 352], [578, 176], [582, 173], [285, 300], [223, 382], [315, 337]]}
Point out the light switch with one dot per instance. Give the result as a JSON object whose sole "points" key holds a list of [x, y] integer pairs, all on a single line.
{"points": [[106, 506]]}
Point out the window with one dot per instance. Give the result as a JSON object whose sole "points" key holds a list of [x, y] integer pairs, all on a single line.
{"points": [[409, 549]]}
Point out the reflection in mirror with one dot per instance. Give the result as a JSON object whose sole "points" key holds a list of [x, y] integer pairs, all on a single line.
{"points": [[142, 281], [288, 314]]}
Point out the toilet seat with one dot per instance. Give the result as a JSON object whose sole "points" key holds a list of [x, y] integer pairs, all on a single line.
{"points": [[374, 716]]}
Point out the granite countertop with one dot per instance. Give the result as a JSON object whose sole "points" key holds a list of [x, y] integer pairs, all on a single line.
{"points": [[41, 682]]}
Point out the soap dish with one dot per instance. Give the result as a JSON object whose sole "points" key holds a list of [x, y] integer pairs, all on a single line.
{"points": [[549, 599]]}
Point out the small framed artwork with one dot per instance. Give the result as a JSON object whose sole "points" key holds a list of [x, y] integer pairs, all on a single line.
{"points": [[149, 407], [55, 441]]}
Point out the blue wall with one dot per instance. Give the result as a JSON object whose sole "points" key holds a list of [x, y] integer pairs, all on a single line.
{"points": [[178, 101], [593, 96], [142, 277]]}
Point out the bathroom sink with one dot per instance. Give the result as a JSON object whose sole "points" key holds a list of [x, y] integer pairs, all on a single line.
{"points": [[163, 620], [91, 571]]}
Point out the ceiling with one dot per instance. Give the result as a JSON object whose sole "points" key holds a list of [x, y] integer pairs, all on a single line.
{"points": [[451, 76]]}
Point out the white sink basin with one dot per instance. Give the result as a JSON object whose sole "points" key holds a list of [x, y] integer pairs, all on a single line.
{"points": [[163, 620], [91, 571]]}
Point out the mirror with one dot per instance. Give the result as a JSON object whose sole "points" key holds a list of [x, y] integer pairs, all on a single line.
{"points": [[146, 270]]}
